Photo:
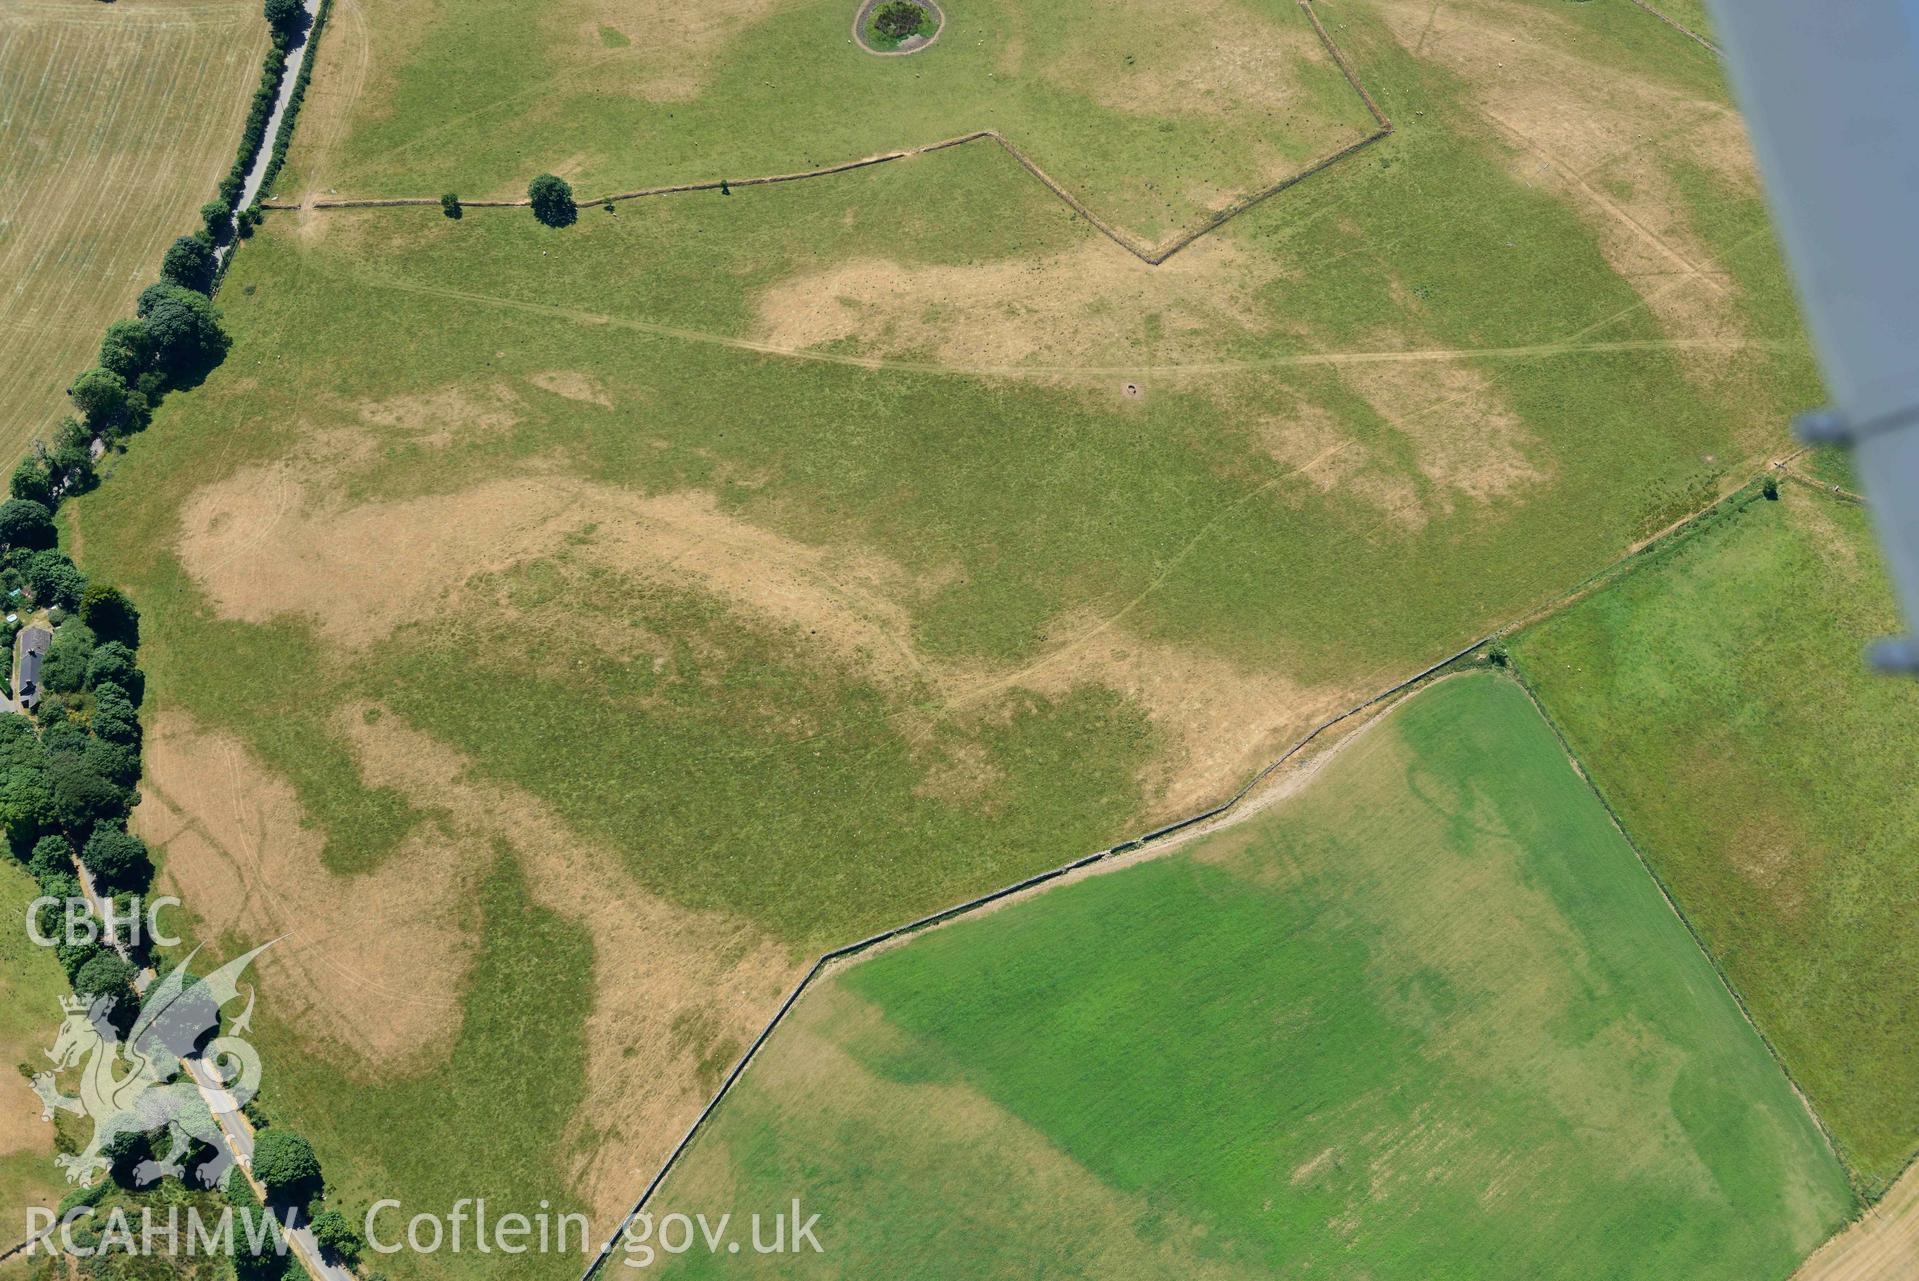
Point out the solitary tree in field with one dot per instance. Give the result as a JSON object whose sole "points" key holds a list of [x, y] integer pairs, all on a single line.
{"points": [[450, 205], [552, 201]]}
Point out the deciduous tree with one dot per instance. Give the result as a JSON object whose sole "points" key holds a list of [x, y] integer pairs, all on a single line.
{"points": [[111, 616], [285, 1165], [25, 523], [126, 349], [107, 974], [337, 1237], [31, 481], [55, 580], [105, 401], [117, 859], [552, 201], [189, 262], [187, 337]]}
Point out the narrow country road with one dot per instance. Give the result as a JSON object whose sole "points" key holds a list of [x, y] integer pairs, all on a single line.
{"points": [[289, 76]]}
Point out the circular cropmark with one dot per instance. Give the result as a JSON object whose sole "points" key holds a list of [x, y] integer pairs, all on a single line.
{"points": [[891, 28]]}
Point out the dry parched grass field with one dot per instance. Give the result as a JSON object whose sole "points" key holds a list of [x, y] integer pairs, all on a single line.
{"points": [[116, 123], [564, 634]]}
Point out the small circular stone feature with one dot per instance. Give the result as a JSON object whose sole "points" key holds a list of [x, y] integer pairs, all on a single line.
{"points": [[892, 28], [1132, 389]]}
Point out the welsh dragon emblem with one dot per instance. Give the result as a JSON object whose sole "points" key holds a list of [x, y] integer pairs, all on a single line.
{"points": [[144, 1081]]}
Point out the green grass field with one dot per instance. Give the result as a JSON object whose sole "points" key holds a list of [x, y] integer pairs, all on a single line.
{"points": [[1718, 699], [1428, 1018], [1690, 14], [1155, 114], [31, 988], [800, 548]]}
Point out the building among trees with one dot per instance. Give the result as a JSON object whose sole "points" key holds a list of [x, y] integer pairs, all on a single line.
{"points": [[31, 651]]}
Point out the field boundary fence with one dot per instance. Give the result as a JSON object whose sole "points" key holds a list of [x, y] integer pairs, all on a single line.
{"points": [[1665, 893], [919, 924], [1151, 254], [1636, 557], [1680, 27]]}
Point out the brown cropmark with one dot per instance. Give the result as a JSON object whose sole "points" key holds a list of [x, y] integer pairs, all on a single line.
{"points": [[673, 46], [1310, 441], [573, 385], [268, 542], [1882, 1246], [1466, 440], [274, 541], [1223, 721], [1767, 854], [939, 1134], [445, 417], [674, 991], [21, 1129], [1248, 69], [1592, 134], [1085, 305], [375, 963], [1836, 545]]}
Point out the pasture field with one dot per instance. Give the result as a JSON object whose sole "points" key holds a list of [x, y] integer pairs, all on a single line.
{"points": [[119, 121], [31, 987], [1427, 1016], [1156, 114], [1718, 700], [785, 564]]}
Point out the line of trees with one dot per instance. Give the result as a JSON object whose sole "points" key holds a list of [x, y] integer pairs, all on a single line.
{"points": [[70, 773], [286, 20]]}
